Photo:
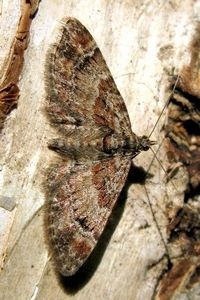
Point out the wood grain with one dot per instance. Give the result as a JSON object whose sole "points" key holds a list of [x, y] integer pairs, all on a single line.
{"points": [[144, 43]]}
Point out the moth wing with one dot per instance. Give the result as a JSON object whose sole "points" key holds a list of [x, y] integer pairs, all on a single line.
{"points": [[82, 92], [81, 199]]}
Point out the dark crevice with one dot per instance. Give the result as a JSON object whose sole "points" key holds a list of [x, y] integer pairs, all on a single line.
{"points": [[191, 98], [192, 127]]}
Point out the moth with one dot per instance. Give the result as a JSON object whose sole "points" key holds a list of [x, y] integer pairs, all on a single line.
{"points": [[95, 145]]}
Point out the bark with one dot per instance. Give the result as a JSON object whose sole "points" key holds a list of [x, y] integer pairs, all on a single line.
{"points": [[9, 91], [145, 43]]}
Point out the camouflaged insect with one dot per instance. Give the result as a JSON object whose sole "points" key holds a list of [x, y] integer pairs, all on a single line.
{"points": [[95, 144]]}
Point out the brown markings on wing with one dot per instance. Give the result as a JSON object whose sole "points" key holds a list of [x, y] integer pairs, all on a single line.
{"points": [[81, 199], [80, 87]]}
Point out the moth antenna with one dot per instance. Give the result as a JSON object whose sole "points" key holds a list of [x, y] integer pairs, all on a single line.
{"points": [[167, 255], [156, 157], [158, 228], [164, 107], [155, 153], [160, 164]]}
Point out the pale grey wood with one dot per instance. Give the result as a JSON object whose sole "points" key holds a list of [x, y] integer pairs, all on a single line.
{"points": [[142, 41]]}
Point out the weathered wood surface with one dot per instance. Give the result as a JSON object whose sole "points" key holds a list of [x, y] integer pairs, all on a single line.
{"points": [[144, 43]]}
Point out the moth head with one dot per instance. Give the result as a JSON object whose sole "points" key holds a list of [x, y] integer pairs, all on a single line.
{"points": [[145, 143]]}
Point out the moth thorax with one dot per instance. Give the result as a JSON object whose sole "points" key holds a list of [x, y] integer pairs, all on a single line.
{"points": [[114, 142]]}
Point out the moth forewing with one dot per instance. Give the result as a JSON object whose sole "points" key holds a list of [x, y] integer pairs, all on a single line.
{"points": [[95, 135]]}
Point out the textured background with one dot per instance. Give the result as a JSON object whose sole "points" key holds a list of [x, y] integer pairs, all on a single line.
{"points": [[144, 44]]}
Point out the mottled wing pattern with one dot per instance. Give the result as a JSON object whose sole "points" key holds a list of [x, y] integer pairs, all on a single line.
{"points": [[81, 91], [84, 104], [79, 207]]}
